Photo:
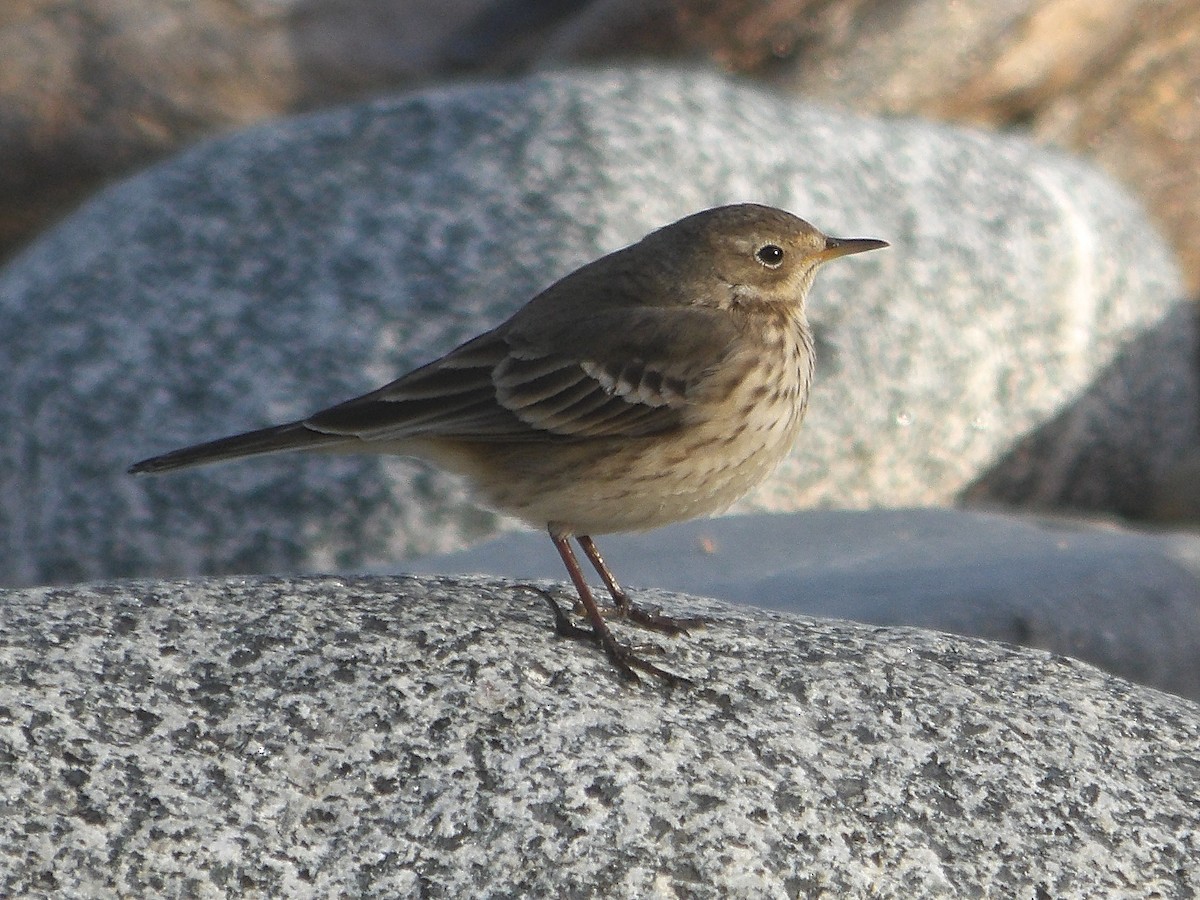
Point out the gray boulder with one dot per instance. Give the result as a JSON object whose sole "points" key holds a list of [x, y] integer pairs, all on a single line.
{"points": [[1125, 601], [432, 737], [264, 275]]}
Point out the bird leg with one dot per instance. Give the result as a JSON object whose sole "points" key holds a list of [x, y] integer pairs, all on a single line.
{"points": [[621, 656], [651, 619]]}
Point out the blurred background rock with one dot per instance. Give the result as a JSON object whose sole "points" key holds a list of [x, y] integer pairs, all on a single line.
{"points": [[93, 89]]}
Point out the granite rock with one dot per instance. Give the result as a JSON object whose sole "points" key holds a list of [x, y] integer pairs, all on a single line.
{"points": [[432, 737], [1125, 601], [261, 276], [95, 89]]}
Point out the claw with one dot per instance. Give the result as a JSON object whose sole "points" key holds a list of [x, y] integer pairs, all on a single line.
{"points": [[625, 659]]}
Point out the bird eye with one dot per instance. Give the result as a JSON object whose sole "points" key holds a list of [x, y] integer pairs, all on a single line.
{"points": [[769, 255]]}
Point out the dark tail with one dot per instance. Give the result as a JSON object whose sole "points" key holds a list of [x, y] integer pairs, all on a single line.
{"points": [[293, 436]]}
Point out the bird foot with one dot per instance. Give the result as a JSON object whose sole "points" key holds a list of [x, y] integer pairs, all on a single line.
{"points": [[655, 620], [625, 659]]}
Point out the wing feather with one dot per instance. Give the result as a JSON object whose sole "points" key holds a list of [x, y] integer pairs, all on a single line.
{"points": [[629, 375]]}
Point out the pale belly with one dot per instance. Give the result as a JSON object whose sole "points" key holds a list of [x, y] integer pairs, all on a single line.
{"points": [[630, 484]]}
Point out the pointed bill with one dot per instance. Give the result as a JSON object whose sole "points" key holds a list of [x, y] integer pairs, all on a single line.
{"points": [[835, 247]]}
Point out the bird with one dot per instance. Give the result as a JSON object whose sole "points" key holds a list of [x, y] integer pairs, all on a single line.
{"points": [[656, 384]]}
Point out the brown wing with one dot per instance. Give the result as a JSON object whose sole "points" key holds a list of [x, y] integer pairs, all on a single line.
{"points": [[617, 373]]}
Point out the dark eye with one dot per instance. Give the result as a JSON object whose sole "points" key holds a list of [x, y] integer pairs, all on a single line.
{"points": [[769, 255]]}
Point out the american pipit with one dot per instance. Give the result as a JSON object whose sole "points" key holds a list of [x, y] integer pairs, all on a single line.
{"points": [[656, 384]]}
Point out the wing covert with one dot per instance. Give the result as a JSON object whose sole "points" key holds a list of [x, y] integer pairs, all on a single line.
{"points": [[627, 373]]}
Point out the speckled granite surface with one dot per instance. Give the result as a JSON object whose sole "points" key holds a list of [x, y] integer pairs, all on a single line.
{"points": [[432, 737]]}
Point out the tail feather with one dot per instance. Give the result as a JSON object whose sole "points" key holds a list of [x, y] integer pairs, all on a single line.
{"points": [[292, 436]]}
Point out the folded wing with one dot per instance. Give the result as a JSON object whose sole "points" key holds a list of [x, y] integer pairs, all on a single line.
{"points": [[631, 376]]}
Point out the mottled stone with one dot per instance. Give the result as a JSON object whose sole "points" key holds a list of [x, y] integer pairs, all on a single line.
{"points": [[262, 276], [433, 737], [92, 90]]}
